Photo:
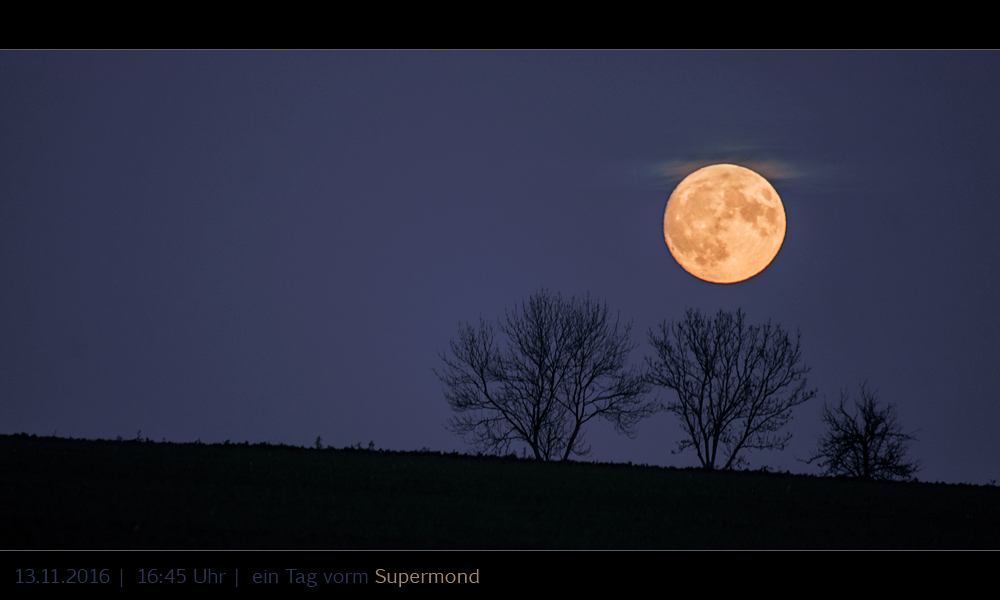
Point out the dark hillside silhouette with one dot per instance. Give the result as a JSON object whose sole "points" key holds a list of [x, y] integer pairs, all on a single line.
{"points": [[83, 494]]}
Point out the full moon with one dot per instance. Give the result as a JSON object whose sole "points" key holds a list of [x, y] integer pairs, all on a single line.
{"points": [[724, 223]]}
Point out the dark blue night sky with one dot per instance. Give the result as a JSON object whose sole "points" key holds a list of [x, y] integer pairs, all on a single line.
{"points": [[275, 246]]}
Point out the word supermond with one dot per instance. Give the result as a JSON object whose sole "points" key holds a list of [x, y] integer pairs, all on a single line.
{"points": [[400, 578]]}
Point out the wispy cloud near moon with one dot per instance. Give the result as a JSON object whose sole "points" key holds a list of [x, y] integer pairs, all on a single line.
{"points": [[671, 171]]}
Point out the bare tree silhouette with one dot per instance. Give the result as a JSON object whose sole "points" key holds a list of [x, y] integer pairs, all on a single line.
{"points": [[868, 444], [540, 374], [736, 384]]}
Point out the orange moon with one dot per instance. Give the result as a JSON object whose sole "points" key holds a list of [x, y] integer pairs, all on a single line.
{"points": [[724, 223]]}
